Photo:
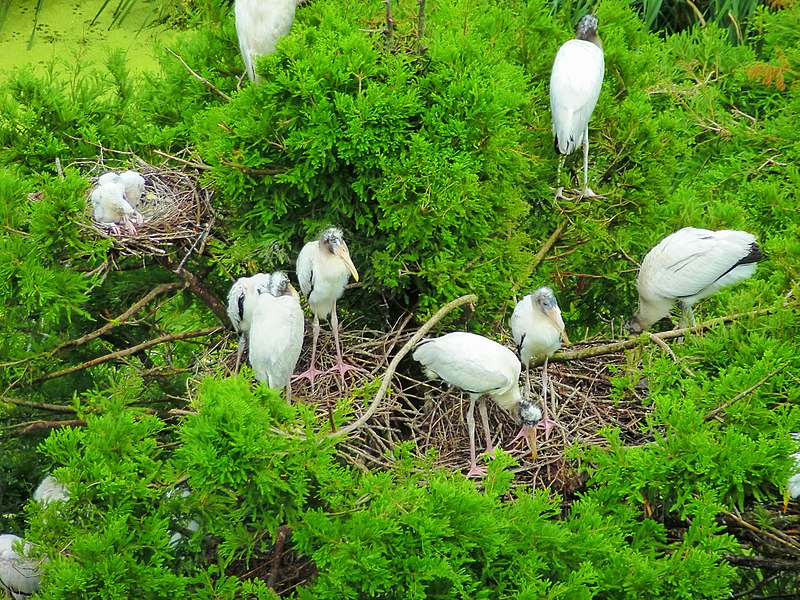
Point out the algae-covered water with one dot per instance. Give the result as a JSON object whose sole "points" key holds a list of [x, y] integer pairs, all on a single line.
{"points": [[64, 32]]}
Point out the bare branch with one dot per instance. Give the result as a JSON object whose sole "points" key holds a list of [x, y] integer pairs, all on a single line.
{"points": [[33, 426], [164, 287], [200, 78], [387, 376], [548, 245], [196, 286], [741, 395], [38, 405], [173, 337]]}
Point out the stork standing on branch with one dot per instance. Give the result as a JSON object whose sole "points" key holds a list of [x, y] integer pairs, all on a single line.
{"points": [[241, 301], [575, 85], [690, 265], [259, 26]]}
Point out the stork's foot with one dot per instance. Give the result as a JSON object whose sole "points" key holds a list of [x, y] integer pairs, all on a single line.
{"points": [[529, 433], [476, 471], [560, 194], [548, 424], [343, 367], [138, 218], [311, 374]]}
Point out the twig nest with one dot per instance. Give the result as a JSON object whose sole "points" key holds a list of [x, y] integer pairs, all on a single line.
{"points": [[170, 208]]}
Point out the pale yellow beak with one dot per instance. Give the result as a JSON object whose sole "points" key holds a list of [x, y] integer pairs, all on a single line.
{"points": [[343, 253]]}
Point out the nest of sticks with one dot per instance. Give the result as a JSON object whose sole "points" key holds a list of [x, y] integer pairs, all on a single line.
{"points": [[433, 416], [177, 210]]}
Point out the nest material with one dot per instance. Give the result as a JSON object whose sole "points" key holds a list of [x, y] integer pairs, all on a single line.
{"points": [[176, 210], [433, 416]]}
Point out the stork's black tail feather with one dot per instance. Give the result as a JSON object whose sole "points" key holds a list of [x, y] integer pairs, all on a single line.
{"points": [[755, 255]]}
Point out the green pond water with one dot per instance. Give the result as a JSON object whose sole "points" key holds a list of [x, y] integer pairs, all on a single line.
{"points": [[64, 32]]}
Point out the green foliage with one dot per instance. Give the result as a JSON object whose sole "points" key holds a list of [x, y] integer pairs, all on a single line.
{"points": [[436, 157]]}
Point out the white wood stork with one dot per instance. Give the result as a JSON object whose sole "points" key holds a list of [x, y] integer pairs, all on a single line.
{"points": [[19, 575], [50, 490], [111, 208], [276, 333], [538, 329], [688, 266], [259, 26], [241, 301], [575, 84], [323, 269], [481, 367]]}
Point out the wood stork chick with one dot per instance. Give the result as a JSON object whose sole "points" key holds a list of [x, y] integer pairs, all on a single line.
{"points": [[688, 266], [276, 333], [259, 26], [481, 367], [19, 575], [110, 207], [575, 84], [538, 329], [241, 301], [323, 269], [133, 182]]}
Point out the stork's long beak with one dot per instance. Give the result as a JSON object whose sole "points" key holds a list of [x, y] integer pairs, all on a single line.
{"points": [[529, 433], [343, 253], [554, 314]]}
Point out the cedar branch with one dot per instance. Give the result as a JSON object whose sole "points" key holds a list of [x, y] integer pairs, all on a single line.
{"points": [[548, 245], [196, 286]]}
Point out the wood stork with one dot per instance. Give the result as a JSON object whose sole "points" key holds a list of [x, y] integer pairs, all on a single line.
{"points": [[276, 333], [481, 367], [50, 490], [241, 301], [688, 266], [323, 268], [111, 208], [575, 84], [259, 26], [538, 329], [19, 574], [133, 183]]}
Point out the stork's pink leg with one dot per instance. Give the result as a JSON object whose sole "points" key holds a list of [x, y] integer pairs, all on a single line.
{"points": [[474, 469], [312, 372], [546, 423], [340, 365]]}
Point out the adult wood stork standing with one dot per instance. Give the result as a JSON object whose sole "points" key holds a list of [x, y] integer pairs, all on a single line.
{"points": [[538, 329], [259, 26], [276, 333], [19, 575], [688, 266], [111, 208], [323, 268], [575, 85], [481, 367], [241, 301]]}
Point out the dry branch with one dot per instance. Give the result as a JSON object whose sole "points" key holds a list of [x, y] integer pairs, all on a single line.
{"points": [[173, 337], [741, 395], [26, 428], [613, 347], [199, 77], [38, 405], [196, 286], [387, 377], [160, 289], [547, 246]]}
